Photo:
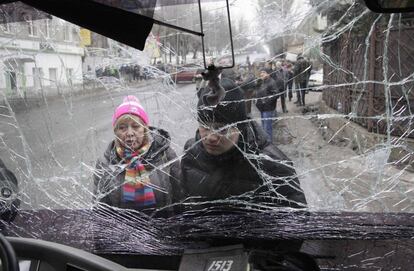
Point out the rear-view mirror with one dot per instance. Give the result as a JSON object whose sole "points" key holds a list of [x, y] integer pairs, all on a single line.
{"points": [[217, 40], [9, 200], [390, 6]]}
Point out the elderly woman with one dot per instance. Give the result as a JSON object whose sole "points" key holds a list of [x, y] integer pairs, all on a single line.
{"points": [[139, 170]]}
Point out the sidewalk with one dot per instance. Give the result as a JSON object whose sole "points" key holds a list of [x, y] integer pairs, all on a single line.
{"points": [[334, 176], [19, 103]]}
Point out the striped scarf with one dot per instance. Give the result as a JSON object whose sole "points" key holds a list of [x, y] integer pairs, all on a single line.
{"points": [[134, 188]]}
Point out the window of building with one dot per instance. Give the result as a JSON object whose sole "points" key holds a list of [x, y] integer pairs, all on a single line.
{"points": [[32, 28], [47, 23], [12, 79], [37, 77], [67, 32], [69, 75], [5, 27], [53, 76]]}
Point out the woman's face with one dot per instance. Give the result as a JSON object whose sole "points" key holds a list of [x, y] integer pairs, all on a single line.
{"points": [[130, 132]]}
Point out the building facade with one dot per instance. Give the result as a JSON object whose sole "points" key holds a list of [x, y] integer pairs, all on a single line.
{"points": [[40, 58]]}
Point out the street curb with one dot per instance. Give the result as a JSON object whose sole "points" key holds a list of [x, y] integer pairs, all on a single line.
{"points": [[20, 104]]}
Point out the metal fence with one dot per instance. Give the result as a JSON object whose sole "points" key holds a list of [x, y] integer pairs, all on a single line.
{"points": [[355, 73]]}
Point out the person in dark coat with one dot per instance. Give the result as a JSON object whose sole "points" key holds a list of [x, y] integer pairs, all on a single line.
{"points": [[248, 63], [280, 76], [301, 73], [230, 157], [248, 85], [139, 170], [229, 73], [289, 86], [267, 95]]}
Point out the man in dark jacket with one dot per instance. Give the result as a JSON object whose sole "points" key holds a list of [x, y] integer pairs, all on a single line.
{"points": [[248, 85], [229, 73], [267, 98], [280, 77], [301, 73], [289, 85], [231, 158]]}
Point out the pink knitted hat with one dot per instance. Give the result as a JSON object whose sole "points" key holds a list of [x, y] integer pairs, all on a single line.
{"points": [[130, 105]]}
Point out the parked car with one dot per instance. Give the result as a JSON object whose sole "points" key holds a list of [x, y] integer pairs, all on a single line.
{"points": [[151, 72], [187, 73], [316, 80]]}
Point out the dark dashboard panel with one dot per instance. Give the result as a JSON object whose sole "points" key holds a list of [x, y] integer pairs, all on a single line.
{"points": [[331, 237]]}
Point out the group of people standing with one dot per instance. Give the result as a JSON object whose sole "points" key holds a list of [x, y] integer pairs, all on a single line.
{"points": [[128, 72], [229, 157], [272, 82]]}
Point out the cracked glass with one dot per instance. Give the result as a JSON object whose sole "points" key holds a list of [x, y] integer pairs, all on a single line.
{"points": [[306, 143]]}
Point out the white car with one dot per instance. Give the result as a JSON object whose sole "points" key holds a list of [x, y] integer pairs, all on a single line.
{"points": [[316, 80]]}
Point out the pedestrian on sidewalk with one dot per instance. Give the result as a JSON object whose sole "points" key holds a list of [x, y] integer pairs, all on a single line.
{"points": [[289, 86], [230, 156], [138, 169], [248, 85], [266, 100], [280, 77], [301, 73], [248, 63]]}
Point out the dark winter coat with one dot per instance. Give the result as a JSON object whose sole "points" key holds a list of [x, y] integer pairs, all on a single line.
{"points": [[281, 78], [290, 79], [267, 95], [229, 73], [302, 71], [248, 83], [109, 174], [232, 174]]}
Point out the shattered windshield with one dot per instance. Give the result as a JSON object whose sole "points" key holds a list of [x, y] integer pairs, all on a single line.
{"points": [[312, 129]]}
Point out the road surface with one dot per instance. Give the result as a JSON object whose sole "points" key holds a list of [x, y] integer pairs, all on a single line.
{"points": [[53, 148]]}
